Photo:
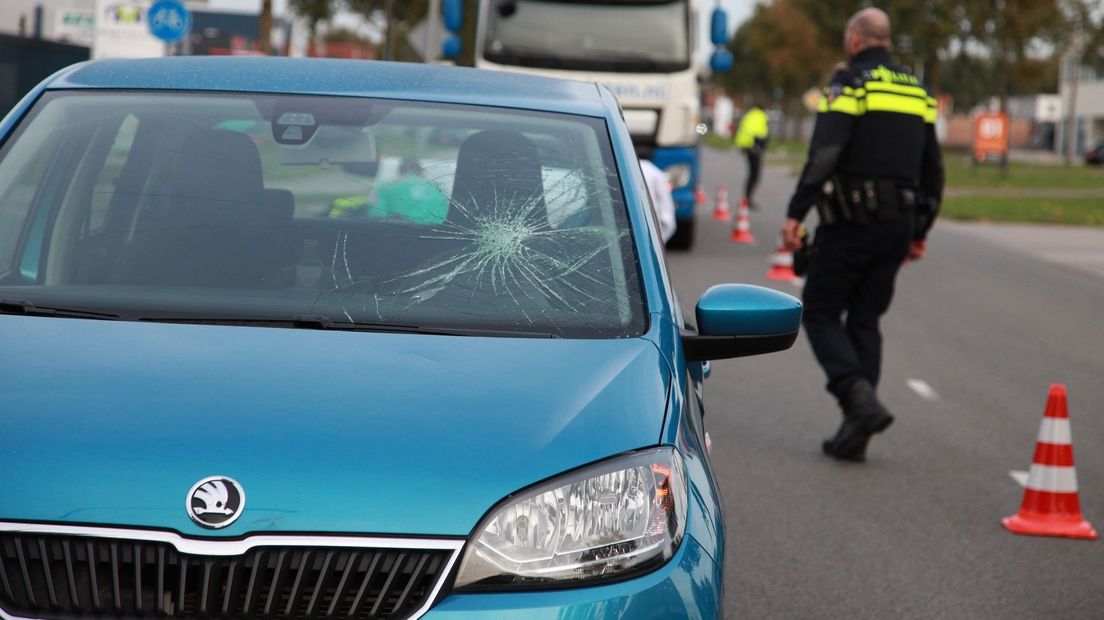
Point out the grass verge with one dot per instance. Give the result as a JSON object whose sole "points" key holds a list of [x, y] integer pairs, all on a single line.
{"points": [[1070, 211], [961, 172]]}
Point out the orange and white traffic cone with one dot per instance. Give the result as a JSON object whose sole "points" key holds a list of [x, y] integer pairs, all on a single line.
{"points": [[720, 205], [781, 264], [1050, 504], [699, 195], [741, 231]]}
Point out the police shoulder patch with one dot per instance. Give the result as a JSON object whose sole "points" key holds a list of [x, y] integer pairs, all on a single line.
{"points": [[841, 77]]}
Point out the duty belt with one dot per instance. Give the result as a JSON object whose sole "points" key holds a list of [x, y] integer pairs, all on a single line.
{"points": [[866, 200]]}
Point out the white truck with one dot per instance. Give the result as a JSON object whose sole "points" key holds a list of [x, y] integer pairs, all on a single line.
{"points": [[645, 51]]}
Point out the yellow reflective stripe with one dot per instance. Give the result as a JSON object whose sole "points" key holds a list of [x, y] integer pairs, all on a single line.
{"points": [[901, 89], [932, 113], [842, 103], [854, 92], [883, 74], [902, 104]]}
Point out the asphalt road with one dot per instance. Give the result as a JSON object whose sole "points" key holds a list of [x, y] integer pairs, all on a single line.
{"points": [[989, 321]]}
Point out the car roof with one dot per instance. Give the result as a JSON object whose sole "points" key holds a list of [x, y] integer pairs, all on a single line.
{"points": [[323, 76]]}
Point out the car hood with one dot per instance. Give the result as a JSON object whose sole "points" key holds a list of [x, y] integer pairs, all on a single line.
{"points": [[111, 422]]}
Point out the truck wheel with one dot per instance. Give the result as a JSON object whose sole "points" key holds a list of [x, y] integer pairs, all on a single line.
{"points": [[683, 239]]}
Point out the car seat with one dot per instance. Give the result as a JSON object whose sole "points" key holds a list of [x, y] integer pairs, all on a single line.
{"points": [[498, 178], [216, 226], [497, 170]]}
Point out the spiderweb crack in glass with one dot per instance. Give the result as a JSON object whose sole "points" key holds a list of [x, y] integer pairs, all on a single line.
{"points": [[531, 250]]}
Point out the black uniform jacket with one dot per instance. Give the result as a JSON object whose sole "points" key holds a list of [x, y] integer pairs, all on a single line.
{"points": [[875, 122]]}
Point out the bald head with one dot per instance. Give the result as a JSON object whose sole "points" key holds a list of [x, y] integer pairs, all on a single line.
{"points": [[867, 28]]}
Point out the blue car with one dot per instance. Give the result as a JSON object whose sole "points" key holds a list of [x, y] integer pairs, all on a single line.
{"points": [[312, 339]]}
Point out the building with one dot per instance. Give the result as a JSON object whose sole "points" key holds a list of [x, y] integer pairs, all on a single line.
{"points": [[38, 37], [1082, 109], [63, 21]]}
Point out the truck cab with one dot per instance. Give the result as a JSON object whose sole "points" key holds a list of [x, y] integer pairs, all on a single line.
{"points": [[644, 51]]}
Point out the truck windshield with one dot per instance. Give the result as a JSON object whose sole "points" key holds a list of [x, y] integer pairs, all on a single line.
{"points": [[644, 36], [316, 211]]}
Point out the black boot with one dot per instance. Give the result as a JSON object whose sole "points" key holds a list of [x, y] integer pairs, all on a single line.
{"points": [[863, 416], [857, 454]]}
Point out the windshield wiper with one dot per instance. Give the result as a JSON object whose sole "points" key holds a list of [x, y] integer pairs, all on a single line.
{"points": [[313, 321], [324, 322], [26, 308]]}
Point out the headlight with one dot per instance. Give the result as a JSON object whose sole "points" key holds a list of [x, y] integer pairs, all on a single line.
{"points": [[678, 175], [623, 516]]}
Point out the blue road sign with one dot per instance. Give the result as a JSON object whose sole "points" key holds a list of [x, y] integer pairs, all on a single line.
{"points": [[169, 20]]}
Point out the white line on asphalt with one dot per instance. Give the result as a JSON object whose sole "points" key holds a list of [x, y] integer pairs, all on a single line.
{"points": [[922, 388], [1019, 476]]}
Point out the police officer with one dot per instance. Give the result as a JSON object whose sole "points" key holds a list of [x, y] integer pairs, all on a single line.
{"points": [[875, 175], [751, 138]]}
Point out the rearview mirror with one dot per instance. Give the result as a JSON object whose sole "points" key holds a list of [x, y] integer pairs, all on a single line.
{"points": [[331, 145], [737, 320]]}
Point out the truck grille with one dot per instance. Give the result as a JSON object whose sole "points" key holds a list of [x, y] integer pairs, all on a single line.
{"points": [[66, 577]]}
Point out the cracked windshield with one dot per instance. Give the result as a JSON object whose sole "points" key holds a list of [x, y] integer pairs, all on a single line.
{"points": [[317, 210]]}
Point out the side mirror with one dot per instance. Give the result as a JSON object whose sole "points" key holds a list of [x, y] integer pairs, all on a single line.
{"points": [[453, 11], [721, 61], [737, 320], [452, 46], [718, 27]]}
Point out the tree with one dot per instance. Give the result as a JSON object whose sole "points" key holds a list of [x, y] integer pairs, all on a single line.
{"points": [[782, 50], [1009, 30], [1015, 42], [407, 13], [923, 30], [315, 12], [404, 15], [749, 73], [967, 78]]}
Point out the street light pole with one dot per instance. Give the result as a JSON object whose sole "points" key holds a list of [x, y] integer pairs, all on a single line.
{"points": [[1071, 72], [431, 30], [390, 53], [264, 28]]}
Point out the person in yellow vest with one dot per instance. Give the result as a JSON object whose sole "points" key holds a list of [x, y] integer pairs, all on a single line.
{"points": [[875, 141], [408, 198], [751, 138]]}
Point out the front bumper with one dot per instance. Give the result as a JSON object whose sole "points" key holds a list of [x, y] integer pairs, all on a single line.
{"points": [[689, 586], [665, 156]]}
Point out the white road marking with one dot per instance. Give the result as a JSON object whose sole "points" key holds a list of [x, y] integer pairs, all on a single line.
{"points": [[1019, 476], [922, 388]]}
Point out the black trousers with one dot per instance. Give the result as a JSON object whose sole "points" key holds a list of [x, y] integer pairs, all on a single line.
{"points": [[847, 290], [754, 158]]}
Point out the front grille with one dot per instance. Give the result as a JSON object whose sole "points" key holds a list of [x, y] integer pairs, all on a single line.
{"points": [[66, 577]]}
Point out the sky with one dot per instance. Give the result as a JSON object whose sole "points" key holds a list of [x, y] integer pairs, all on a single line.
{"points": [[738, 11]]}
